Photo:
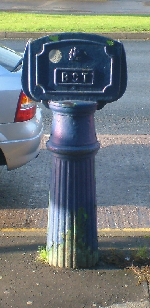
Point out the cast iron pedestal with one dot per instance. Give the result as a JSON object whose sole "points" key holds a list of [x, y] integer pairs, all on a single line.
{"points": [[72, 214]]}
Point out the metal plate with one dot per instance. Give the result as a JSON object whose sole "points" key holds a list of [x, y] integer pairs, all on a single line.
{"points": [[74, 66]]}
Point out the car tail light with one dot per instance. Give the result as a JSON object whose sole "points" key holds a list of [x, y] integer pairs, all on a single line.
{"points": [[26, 108]]}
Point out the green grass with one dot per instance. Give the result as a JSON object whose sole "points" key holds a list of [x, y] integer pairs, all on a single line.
{"points": [[27, 22], [42, 254]]}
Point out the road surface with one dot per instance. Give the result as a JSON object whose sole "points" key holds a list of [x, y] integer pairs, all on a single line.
{"points": [[134, 7], [122, 163]]}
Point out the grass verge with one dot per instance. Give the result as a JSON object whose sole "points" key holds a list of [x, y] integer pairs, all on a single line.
{"points": [[28, 22]]}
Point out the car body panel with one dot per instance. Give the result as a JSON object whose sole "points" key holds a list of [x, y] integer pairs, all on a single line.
{"points": [[19, 141], [22, 130], [10, 86], [7, 108]]}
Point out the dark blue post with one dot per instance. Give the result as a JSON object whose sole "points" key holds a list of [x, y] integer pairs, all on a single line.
{"points": [[72, 214], [78, 73]]}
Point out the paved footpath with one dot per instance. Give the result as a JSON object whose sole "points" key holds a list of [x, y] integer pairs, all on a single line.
{"points": [[113, 283]]}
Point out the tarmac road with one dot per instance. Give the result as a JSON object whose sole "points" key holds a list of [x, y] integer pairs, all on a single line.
{"points": [[123, 129], [78, 7]]}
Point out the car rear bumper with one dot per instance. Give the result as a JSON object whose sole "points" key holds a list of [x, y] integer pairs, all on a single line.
{"points": [[26, 144]]}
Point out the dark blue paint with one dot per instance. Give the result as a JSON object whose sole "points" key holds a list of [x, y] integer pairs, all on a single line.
{"points": [[72, 208], [74, 74], [71, 66]]}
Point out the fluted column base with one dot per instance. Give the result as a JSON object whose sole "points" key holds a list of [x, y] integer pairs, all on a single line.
{"points": [[72, 214]]}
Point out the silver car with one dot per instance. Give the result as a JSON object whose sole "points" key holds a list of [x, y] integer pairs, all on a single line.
{"points": [[20, 118]]}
